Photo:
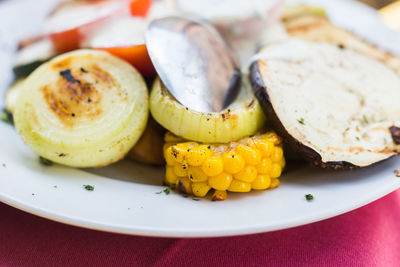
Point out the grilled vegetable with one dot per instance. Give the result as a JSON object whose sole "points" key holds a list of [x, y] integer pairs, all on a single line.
{"points": [[72, 20], [242, 118], [12, 95], [251, 163], [124, 38], [322, 99], [82, 109], [311, 24], [149, 148], [32, 56]]}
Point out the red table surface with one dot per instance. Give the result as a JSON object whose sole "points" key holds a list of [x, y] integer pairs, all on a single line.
{"points": [[369, 236]]}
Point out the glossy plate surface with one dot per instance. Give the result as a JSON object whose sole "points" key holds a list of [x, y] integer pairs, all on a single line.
{"points": [[125, 198]]}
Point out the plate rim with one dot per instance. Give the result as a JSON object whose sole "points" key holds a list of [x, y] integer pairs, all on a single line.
{"points": [[153, 232]]}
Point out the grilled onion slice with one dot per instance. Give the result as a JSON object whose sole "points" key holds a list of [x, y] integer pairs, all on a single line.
{"points": [[242, 118], [82, 109]]}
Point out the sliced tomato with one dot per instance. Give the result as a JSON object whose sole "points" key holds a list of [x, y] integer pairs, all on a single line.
{"points": [[71, 22], [67, 40], [140, 8], [136, 55]]}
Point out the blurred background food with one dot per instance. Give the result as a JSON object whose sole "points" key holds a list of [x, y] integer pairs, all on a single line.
{"points": [[377, 3]]}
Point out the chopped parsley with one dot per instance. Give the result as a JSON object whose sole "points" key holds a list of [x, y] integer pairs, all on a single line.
{"points": [[167, 190], [357, 138], [301, 120], [88, 187], [45, 161], [309, 197], [366, 121]]}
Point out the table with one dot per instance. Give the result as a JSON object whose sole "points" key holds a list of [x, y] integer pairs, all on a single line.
{"points": [[369, 236]]}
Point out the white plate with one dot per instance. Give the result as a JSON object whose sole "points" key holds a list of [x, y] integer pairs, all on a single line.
{"points": [[125, 199]]}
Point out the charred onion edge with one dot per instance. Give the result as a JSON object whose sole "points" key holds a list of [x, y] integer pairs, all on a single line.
{"points": [[307, 153]]}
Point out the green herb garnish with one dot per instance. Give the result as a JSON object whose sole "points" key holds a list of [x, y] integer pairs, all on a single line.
{"points": [[89, 187], [309, 197], [158, 192], [357, 138], [366, 121], [301, 120], [167, 190], [45, 161]]}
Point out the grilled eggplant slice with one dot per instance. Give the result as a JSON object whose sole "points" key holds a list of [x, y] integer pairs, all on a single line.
{"points": [[332, 105], [82, 109], [307, 23]]}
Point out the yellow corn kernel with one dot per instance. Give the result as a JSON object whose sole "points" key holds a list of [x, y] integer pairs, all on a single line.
{"points": [[233, 162], [250, 163], [266, 147], [248, 174], [197, 175], [272, 136], [170, 176], [197, 155], [180, 151], [277, 156], [262, 182], [250, 155], [274, 183], [212, 166], [200, 189], [239, 186], [219, 195], [185, 185], [220, 182], [283, 163], [171, 138], [168, 155], [181, 169], [265, 166], [276, 170]]}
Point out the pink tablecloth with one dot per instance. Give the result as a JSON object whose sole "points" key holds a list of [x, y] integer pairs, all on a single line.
{"points": [[369, 236]]}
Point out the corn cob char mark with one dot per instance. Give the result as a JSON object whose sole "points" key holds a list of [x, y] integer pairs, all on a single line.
{"points": [[251, 163]]}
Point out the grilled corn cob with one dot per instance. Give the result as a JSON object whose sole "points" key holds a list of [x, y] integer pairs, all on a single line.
{"points": [[251, 163]]}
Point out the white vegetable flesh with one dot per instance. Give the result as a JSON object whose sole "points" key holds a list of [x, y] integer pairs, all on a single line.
{"points": [[82, 109], [242, 118], [336, 101]]}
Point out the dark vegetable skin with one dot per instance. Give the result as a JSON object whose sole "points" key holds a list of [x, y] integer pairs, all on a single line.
{"points": [[395, 131], [305, 152], [24, 70]]}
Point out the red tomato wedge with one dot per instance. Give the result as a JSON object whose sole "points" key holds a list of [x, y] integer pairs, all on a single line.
{"points": [[136, 55], [67, 40], [72, 21], [140, 8]]}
